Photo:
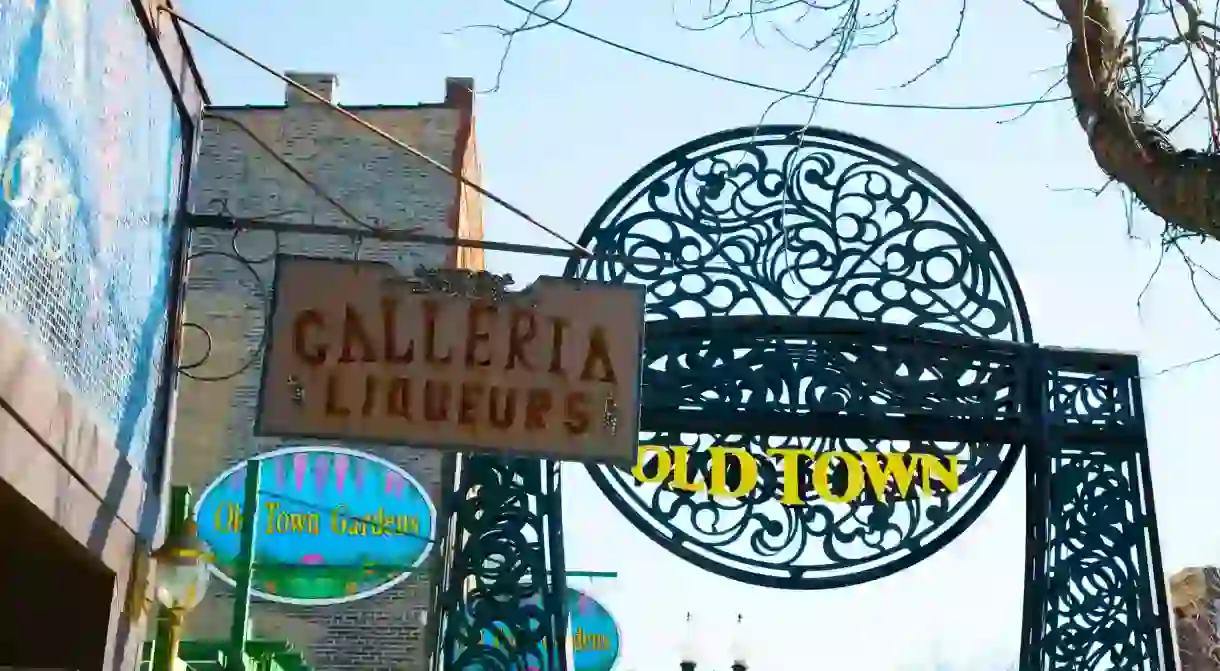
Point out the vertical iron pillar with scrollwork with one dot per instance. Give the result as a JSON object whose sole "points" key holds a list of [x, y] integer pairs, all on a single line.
{"points": [[500, 600], [1095, 595]]}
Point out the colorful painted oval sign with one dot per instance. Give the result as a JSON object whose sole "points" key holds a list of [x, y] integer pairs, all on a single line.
{"points": [[594, 638], [334, 525]]}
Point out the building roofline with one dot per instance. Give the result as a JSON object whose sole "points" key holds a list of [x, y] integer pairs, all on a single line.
{"points": [[164, 35], [188, 55]]}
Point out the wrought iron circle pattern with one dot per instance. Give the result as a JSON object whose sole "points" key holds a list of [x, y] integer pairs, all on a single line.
{"points": [[793, 221], [199, 366]]}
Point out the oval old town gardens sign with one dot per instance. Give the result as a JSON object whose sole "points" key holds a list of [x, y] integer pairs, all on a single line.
{"points": [[335, 525]]}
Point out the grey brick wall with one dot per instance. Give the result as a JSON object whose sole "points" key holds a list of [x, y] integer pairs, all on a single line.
{"points": [[228, 281]]}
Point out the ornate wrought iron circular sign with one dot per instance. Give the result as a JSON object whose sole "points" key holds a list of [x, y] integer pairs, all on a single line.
{"points": [[820, 400]]}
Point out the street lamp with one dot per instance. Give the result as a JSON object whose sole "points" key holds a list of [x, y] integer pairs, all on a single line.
{"points": [[690, 648], [739, 647], [181, 565]]}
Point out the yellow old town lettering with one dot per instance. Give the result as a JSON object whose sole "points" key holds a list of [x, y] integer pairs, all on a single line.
{"points": [[281, 522], [875, 470]]}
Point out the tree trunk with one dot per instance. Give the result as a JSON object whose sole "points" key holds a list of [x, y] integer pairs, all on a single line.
{"points": [[1176, 185], [1193, 593]]}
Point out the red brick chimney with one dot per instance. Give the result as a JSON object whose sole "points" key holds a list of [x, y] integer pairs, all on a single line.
{"points": [[324, 84]]}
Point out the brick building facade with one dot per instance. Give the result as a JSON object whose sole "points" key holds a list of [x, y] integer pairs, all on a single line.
{"points": [[260, 162]]}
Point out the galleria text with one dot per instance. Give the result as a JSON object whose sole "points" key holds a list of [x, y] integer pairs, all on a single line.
{"points": [[436, 362]]}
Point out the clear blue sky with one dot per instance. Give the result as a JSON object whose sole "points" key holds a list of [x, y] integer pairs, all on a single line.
{"points": [[574, 119]]}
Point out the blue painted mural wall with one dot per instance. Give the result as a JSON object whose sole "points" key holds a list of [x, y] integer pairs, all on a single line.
{"points": [[90, 154]]}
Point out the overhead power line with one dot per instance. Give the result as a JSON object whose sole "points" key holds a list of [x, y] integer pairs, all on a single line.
{"points": [[775, 89], [455, 174]]}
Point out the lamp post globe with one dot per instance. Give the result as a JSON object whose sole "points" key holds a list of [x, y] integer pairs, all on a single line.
{"points": [[181, 578], [182, 569]]}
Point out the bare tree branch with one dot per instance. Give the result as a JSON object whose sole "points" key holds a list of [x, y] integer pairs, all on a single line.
{"points": [[737, 81], [1176, 185], [957, 36], [1045, 14], [510, 34], [1112, 77]]}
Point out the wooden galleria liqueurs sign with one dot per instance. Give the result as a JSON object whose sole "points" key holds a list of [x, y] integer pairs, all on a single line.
{"points": [[452, 360]]}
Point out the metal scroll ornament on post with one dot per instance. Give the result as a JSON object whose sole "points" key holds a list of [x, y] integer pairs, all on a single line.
{"points": [[826, 294], [504, 568]]}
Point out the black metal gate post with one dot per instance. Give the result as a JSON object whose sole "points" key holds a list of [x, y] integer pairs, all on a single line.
{"points": [[500, 601], [1095, 590]]}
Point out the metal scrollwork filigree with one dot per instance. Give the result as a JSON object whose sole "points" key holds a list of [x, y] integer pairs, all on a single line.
{"points": [[458, 283], [818, 291], [501, 600], [785, 220], [797, 230], [1094, 557], [254, 269], [1098, 590]]}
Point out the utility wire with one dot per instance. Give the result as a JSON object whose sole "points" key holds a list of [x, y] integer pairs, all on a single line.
{"points": [[774, 89], [376, 130]]}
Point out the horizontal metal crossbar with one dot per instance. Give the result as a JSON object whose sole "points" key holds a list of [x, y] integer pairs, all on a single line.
{"points": [[814, 377], [231, 224]]}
